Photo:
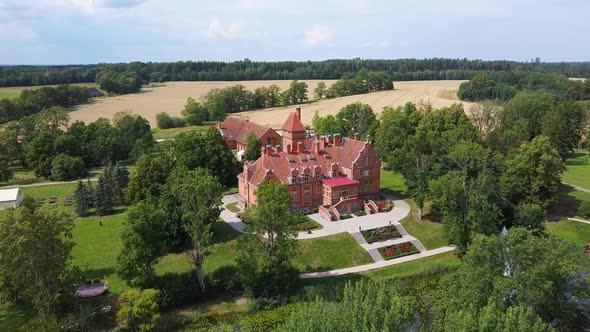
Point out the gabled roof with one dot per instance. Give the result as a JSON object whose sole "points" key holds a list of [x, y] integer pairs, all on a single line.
{"points": [[281, 162], [236, 129], [9, 195], [293, 123]]}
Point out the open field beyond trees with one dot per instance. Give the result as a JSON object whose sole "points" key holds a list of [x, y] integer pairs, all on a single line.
{"points": [[172, 97], [12, 92]]}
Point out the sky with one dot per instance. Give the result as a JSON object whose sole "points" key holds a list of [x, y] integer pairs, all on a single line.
{"points": [[96, 31]]}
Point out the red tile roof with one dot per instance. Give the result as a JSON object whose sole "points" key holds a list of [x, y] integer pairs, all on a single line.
{"points": [[236, 129], [337, 182], [278, 165], [293, 123]]}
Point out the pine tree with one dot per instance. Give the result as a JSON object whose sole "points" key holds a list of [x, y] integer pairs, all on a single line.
{"points": [[90, 195], [103, 199], [120, 180], [81, 199]]}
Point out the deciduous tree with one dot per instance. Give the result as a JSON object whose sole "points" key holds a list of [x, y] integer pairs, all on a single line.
{"points": [[269, 244], [35, 257], [143, 243], [198, 196]]}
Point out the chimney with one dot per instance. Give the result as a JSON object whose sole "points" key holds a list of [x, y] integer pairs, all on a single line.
{"points": [[218, 125], [337, 140], [268, 149], [368, 139], [288, 148], [278, 148], [298, 110], [356, 136], [299, 147], [246, 171], [322, 143], [316, 147]]}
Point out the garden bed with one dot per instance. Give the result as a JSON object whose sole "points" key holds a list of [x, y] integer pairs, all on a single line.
{"points": [[397, 250], [308, 224], [381, 234]]}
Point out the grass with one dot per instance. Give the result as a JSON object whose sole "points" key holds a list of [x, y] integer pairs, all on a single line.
{"points": [[569, 201], [221, 253], [97, 248], [572, 231], [55, 190], [577, 169], [173, 132], [13, 92], [393, 183], [428, 232], [329, 253], [233, 207]]}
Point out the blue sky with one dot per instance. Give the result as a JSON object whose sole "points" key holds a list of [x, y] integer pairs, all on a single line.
{"points": [[91, 31]]}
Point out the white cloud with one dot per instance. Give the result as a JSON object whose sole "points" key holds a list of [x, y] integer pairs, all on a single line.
{"points": [[317, 34], [17, 32], [217, 29]]}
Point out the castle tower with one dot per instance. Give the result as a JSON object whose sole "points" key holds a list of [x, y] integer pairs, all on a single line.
{"points": [[293, 131]]}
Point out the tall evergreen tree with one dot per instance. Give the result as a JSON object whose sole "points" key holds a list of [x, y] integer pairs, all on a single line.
{"points": [[81, 199], [103, 198], [120, 180]]}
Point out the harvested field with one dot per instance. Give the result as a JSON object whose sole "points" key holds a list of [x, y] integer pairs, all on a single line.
{"points": [[171, 98]]}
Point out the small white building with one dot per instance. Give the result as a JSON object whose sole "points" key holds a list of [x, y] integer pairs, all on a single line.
{"points": [[11, 198]]}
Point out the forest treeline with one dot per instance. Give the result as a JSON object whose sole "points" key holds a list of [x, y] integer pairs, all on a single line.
{"points": [[33, 101], [502, 86], [399, 69]]}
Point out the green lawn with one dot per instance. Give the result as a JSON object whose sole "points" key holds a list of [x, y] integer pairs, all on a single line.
{"points": [[393, 183], [573, 231], [233, 207], [172, 132], [329, 253], [569, 201], [97, 248], [428, 232], [578, 169], [222, 252], [445, 260]]}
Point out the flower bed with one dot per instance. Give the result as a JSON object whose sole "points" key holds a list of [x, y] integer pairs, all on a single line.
{"points": [[398, 250], [381, 234], [385, 205]]}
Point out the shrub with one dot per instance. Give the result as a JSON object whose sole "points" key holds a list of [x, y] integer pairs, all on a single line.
{"points": [[165, 121], [227, 278], [65, 167], [177, 289], [584, 210], [138, 310]]}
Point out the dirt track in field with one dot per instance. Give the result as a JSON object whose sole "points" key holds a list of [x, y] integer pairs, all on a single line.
{"points": [[171, 98]]}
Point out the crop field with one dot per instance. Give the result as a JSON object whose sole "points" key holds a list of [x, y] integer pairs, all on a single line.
{"points": [[12, 92], [171, 98]]}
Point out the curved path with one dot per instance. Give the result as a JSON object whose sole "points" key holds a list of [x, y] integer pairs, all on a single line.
{"points": [[400, 211], [576, 187], [353, 226]]}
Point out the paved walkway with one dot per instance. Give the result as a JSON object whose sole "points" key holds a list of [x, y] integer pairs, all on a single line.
{"points": [[577, 187], [376, 265], [580, 220], [401, 210], [353, 226], [46, 183]]}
